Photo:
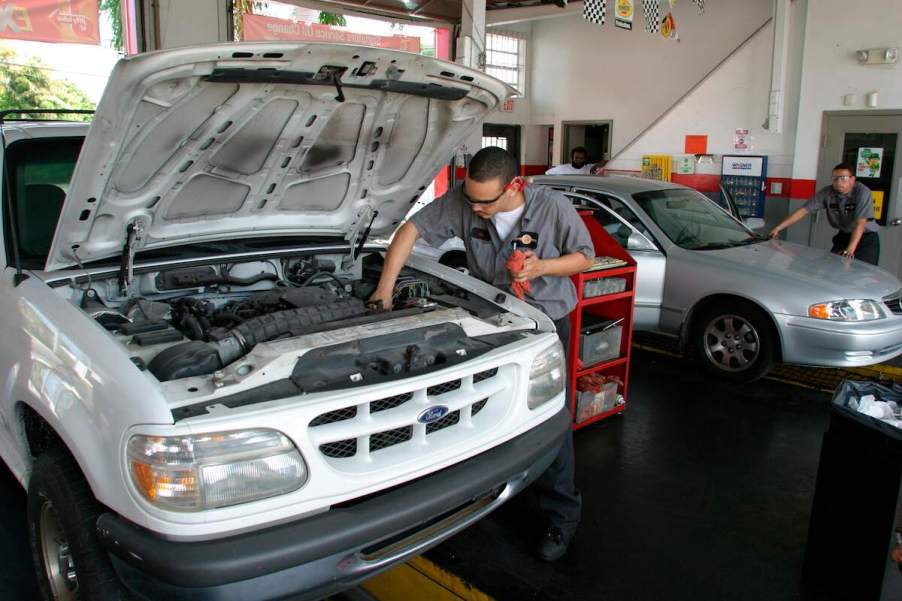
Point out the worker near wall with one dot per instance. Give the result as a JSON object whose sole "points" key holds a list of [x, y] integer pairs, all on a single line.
{"points": [[850, 209], [578, 164], [490, 211]]}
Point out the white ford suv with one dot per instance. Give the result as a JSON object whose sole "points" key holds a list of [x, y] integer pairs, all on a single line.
{"points": [[196, 394]]}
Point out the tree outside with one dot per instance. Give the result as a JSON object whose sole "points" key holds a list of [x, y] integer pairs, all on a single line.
{"points": [[26, 83]]}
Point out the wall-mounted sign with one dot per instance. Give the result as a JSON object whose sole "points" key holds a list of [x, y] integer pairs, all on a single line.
{"points": [[877, 197], [623, 14], [869, 162], [69, 21], [508, 106], [742, 140], [695, 144]]}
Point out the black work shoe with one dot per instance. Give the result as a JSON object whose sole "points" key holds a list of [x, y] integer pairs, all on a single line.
{"points": [[553, 544]]}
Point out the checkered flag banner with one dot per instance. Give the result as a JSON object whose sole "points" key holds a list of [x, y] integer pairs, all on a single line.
{"points": [[701, 6], [594, 11], [652, 13]]}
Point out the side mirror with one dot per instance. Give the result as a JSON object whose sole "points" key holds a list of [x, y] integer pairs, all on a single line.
{"points": [[637, 241], [753, 223]]}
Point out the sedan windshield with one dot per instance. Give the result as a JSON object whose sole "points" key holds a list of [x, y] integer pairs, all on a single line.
{"points": [[692, 221]]}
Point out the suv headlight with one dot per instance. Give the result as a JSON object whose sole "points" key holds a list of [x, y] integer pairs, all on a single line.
{"points": [[204, 471], [546, 376], [847, 310]]}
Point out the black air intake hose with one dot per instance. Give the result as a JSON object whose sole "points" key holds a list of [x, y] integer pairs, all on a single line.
{"points": [[200, 358]]}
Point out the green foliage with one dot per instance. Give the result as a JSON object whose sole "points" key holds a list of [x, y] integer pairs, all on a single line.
{"points": [[26, 83], [114, 8], [332, 19]]}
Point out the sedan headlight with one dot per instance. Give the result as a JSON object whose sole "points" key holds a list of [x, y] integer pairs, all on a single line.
{"points": [[204, 471], [847, 310], [547, 376]]}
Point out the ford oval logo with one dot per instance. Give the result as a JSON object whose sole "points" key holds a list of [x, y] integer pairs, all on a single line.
{"points": [[434, 413]]}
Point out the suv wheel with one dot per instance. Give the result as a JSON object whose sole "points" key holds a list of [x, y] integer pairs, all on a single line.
{"points": [[62, 517], [734, 341]]}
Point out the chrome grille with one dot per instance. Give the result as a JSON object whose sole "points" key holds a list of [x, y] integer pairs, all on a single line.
{"points": [[443, 388], [389, 438], [894, 302], [340, 448], [339, 415], [449, 420], [390, 402]]}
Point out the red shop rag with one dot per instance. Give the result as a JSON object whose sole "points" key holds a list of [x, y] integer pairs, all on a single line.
{"points": [[515, 265]]}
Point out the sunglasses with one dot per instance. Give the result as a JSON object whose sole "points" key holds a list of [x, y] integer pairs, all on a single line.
{"points": [[516, 183], [482, 202]]}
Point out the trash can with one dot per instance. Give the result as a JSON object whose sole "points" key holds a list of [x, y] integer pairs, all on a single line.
{"points": [[855, 517]]}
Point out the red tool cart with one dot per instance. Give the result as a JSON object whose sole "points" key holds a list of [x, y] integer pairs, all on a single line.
{"points": [[601, 329]]}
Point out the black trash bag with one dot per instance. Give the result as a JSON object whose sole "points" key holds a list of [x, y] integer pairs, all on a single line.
{"points": [[848, 394]]}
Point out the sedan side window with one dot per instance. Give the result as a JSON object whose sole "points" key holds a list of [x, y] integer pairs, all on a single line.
{"points": [[624, 233], [618, 207]]}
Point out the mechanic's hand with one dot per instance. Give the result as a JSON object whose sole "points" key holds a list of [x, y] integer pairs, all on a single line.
{"points": [[773, 233], [379, 300], [850, 253], [533, 267]]}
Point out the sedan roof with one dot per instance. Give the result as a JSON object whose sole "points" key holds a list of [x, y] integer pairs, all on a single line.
{"points": [[615, 183]]}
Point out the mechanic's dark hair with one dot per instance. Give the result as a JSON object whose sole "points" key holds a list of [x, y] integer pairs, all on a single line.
{"points": [[492, 162], [581, 149], [844, 167]]}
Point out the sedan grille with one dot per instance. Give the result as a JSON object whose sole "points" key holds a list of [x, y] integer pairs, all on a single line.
{"points": [[894, 302]]}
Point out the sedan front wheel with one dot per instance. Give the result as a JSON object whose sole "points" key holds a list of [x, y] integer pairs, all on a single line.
{"points": [[734, 341]]}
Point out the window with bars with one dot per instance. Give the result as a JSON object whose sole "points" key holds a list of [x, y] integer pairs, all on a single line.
{"points": [[494, 141], [505, 58]]}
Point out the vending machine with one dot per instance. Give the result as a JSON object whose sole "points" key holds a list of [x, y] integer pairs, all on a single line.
{"points": [[744, 177]]}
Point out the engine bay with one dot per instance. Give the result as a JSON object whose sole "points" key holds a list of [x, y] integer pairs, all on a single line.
{"points": [[195, 322]]}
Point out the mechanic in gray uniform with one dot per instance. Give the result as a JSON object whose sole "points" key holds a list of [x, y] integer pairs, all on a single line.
{"points": [[489, 211], [850, 209]]}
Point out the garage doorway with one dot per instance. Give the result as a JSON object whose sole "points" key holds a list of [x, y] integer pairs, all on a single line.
{"points": [[505, 136], [595, 136], [849, 137]]}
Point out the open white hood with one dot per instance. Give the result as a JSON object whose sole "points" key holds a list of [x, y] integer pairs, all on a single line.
{"points": [[239, 140]]}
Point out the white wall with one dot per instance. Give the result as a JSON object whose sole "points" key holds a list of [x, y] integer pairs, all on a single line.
{"points": [[734, 96], [835, 29], [581, 71]]}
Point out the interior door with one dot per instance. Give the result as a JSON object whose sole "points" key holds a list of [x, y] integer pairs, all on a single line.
{"points": [[872, 144]]}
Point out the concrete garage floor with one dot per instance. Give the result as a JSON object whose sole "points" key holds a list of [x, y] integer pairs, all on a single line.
{"points": [[699, 491]]}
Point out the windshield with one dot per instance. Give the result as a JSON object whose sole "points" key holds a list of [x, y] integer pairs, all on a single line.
{"points": [[692, 221]]}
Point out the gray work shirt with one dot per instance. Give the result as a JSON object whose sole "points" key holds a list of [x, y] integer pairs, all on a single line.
{"points": [[548, 214], [843, 211]]}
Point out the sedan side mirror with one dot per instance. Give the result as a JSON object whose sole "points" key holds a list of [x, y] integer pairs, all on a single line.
{"points": [[753, 223]]}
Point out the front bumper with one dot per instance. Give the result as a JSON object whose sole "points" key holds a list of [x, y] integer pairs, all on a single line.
{"points": [[808, 341], [317, 556]]}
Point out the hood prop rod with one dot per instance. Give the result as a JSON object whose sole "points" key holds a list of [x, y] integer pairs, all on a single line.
{"points": [[336, 80], [126, 273], [366, 234]]}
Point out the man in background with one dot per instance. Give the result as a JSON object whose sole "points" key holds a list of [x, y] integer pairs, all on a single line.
{"points": [[578, 164], [850, 209]]}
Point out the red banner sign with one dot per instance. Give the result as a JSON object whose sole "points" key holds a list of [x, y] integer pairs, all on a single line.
{"points": [[70, 21], [258, 27]]}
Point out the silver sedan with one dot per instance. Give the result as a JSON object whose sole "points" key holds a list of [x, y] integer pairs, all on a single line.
{"points": [[738, 301]]}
